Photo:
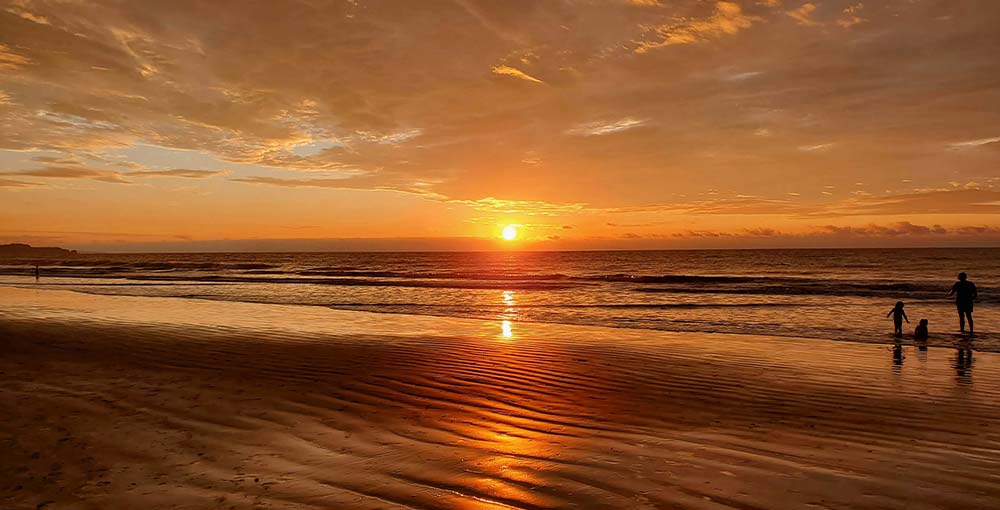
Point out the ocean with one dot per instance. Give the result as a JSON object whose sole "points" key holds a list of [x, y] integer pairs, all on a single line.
{"points": [[830, 294]]}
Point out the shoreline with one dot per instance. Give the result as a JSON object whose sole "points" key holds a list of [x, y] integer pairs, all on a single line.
{"points": [[987, 342], [129, 401]]}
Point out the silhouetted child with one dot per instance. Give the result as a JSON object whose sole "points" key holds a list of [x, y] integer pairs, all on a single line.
{"points": [[898, 316], [921, 333]]}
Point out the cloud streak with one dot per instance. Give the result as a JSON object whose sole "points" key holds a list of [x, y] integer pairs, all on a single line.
{"points": [[602, 128], [11, 183], [505, 70], [178, 172], [63, 172]]}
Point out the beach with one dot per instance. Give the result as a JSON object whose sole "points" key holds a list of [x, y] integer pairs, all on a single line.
{"points": [[150, 402]]}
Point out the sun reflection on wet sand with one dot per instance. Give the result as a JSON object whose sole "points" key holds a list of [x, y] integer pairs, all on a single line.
{"points": [[506, 329], [509, 314]]}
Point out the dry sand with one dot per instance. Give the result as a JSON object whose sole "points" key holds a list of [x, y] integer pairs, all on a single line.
{"points": [[122, 403]]}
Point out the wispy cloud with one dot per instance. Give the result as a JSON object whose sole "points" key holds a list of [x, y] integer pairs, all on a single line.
{"points": [[741, 76], [526, 207], [817, 147], [972, 144], [723, 205], [958, 201], [803, 14], [605, 127], [19, 8], [11, 183], [294, 183], [728, 18], [178, 172], [505, 70], [10, 60], [61, 172], [851, 16], [54, 160]]}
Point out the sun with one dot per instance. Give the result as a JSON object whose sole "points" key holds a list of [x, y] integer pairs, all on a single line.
{"points": [[509, 233]]}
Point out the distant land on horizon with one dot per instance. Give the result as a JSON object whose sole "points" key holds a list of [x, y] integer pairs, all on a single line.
{"points": [[18, 250]]}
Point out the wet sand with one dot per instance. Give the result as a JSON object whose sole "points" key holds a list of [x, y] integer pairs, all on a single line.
{"points": [[121, 402]]}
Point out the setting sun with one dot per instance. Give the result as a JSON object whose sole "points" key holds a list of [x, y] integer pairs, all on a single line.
{"points": [[509, 232]]}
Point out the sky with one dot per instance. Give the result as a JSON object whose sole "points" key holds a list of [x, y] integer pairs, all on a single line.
{"points": [[586, 124]]}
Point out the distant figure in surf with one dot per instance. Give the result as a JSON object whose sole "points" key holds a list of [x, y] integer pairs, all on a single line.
{"points": [[965, 294], [898, 316], [921, 333], [37, 274]]}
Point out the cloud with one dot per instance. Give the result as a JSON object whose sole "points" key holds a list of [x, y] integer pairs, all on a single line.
{"points": [[991, 143], [62, 172], [57, 160], [294, 183], [505, 70], [727, 19], [605, 127], [178, 172], [742, 76], [803, 14], [527, 207], [852, 16], [903, 228], [757, 232], [11, 183], [817, 147], [960, 201], [980, 230], [19, 8], [487, 204], [10, 60], [743, 205]]}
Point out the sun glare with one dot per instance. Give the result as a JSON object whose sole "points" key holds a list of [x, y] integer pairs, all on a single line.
{"points": [[509, 233]]}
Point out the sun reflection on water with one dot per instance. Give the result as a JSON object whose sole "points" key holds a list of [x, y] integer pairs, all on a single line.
{"points": [[508, 298], [509, 314]]}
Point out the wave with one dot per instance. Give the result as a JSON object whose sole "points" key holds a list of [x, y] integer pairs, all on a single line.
{"points": [[360, 282], [113, 265], [607, 306], [277, 274], [438, 275]]}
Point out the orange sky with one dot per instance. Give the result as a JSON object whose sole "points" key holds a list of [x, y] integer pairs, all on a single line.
{"points": [[432, 125]]}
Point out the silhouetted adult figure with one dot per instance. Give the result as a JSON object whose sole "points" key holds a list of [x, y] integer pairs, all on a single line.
{"points": [[965, 294]]}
